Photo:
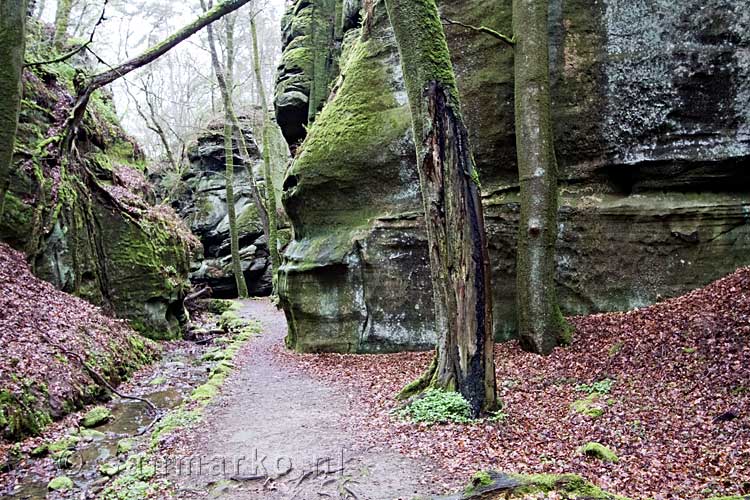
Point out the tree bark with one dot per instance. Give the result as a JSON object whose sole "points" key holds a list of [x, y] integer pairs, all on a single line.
{"points": [[62, 20], [234, 236], [12, 47], [270, 193], [459, 259], [541, 325]]}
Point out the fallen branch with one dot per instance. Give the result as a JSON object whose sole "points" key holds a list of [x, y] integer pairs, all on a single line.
{"points": [[98, 376], [481, 29], [196, 295]]}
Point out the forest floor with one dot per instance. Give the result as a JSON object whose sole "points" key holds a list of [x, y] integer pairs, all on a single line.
{"points": [[277, 432], [667, 388]]}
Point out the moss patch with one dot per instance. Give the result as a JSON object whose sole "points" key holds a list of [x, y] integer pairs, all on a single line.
{"points": [[96, 417], [598, 450], [62, 483]]}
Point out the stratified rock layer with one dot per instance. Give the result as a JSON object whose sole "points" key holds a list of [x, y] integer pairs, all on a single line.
{"points": [[652, 121], [86, 220], [202, 204]]}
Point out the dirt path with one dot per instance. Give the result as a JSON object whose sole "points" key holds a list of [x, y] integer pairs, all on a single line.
{"points": [[272, 421]]}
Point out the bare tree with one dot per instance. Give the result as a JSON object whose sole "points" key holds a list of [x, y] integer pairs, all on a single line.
{"points": [[541, 325], [270, 194]]}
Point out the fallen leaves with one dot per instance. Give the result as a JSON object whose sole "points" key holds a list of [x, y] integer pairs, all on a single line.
{"points": [[676, 369]]}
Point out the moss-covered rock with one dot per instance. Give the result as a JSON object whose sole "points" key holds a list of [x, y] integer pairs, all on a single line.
{"points": [[598, 450], [648, 210], [87, 221], [96, 417], [61, 483]]}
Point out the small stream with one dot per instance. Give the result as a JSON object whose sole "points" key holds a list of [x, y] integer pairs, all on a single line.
{"points": [[168, 383]]}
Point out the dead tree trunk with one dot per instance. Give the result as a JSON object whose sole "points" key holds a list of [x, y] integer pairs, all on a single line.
{"points": [[457, 242], [12, 46], [541, 325], [270, 193]]}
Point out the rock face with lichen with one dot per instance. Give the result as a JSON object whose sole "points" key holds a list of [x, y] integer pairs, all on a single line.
{"points": [[201, 202], [87, 222], [651, 105]]}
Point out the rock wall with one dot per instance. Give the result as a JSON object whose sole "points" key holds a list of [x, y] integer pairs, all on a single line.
{"points": [[652, 120], [87, 222], [202, 204]]}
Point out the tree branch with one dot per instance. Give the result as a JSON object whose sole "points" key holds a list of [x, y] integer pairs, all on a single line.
{"points": [[150, 55], [78, 49], [481, 29]]}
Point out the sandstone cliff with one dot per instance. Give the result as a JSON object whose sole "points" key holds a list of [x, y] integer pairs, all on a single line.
{"points": [[652, 121]]}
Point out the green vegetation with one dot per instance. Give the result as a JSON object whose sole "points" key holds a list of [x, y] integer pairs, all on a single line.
{"points": [[572, 485], [436, 406], [96, 417], [598, 450], [479, 479], [591, 406], [62, 483], [600, 387]]}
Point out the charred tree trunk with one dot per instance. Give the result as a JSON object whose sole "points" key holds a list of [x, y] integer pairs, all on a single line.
{"points": [[12, 46], [270, 193], [457, 242], [541, 325]]}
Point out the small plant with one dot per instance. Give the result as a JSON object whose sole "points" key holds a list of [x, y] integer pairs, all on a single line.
{"points": [[600, 387], [437, 406], [497, 416]]}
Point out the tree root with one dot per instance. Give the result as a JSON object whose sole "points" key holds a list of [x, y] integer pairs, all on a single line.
{"points": [[98, 376], [422, 383]]}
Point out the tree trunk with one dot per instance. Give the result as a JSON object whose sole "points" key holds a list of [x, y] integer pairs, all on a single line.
{"points": [[62, 19], [226, 98], [541, 325], [270, 193], [234, 237], [12, 40], [456, 237]]}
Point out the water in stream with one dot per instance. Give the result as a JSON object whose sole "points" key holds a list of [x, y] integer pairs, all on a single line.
{"points": [[171, 381]]}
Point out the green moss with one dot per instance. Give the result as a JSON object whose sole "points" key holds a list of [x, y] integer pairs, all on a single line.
{"points": [[134, 481], [572, 485], [598, 450], [61, 483], [124, 446], [176, 419], [110, 469], [96, 417], [219, 306], [590, 406], [479, 479]]}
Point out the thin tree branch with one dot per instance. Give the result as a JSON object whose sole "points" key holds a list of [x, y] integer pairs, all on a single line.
{"points": [[78, 49], [481, 29]]}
